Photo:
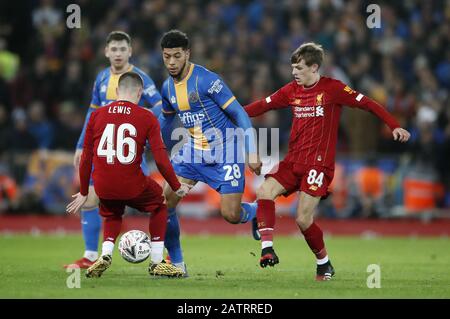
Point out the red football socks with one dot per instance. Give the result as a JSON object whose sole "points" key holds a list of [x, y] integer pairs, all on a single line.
{"points": [[314, 238], [265, 215], [111, 228], [158, 224]]}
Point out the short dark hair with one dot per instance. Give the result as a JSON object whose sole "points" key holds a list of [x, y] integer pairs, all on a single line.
{"points": [[131, 79], [118, 36], [311, 53], [175, 39]]}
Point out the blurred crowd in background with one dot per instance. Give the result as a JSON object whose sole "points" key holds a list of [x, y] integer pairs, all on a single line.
{"points": [[47, 71]]}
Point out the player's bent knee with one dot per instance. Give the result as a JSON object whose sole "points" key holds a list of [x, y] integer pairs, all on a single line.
{"points": [[304, 221], [231, 219], [231, 215]]}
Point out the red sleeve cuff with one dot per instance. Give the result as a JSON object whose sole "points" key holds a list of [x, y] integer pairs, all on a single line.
{"points": [[84, 193]]}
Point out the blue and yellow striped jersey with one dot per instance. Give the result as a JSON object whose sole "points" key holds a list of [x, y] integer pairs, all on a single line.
{"points": [[104, 92], [199, 100]]}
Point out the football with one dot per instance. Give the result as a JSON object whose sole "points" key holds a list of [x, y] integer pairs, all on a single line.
{"points": [[134, 246]]}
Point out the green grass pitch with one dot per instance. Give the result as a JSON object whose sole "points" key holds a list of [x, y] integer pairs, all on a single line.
{"points": [[227, 267]]}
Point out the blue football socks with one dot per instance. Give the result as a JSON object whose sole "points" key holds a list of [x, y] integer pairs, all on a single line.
{"points": [[248, 212], [91, 223], [172, 240]]}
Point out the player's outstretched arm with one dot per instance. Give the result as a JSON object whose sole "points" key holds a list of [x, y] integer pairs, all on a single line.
{"points": [[257, 108], [79, 147], [86, 157], [278, 100], [164, 166], [401, 135], [345, 95], [76, 160], [240, 117], [85, 171]]}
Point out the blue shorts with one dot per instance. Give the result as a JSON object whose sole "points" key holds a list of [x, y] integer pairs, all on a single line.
{"points": [[225, 177]]}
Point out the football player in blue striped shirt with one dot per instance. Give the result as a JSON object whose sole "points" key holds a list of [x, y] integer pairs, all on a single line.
{"points": [[210, 112]]}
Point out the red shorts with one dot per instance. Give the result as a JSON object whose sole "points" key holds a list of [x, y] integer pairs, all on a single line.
{"points": [[311, 179], [147, 202]]}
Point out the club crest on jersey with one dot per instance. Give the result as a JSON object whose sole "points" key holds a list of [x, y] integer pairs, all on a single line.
{"points": [[193, 97], [313, 187], [319, 99], [234, 183], [173, 100]]}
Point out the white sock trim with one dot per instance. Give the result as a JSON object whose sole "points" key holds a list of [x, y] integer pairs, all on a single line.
{"points": [[322, 261], [107, 248], [263, 229], [91, 255], [266, 244], [181, 265], [157, 251]]}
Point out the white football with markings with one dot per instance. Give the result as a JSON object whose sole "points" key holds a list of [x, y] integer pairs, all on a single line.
{"points": [[134, 246]]}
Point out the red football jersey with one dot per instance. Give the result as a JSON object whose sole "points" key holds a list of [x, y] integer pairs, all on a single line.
{"points": [[316, 112], [115, 138]]}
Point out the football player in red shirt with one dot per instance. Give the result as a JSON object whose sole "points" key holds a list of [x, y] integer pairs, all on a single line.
{"points": [[316, 102], [115, 139]]}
